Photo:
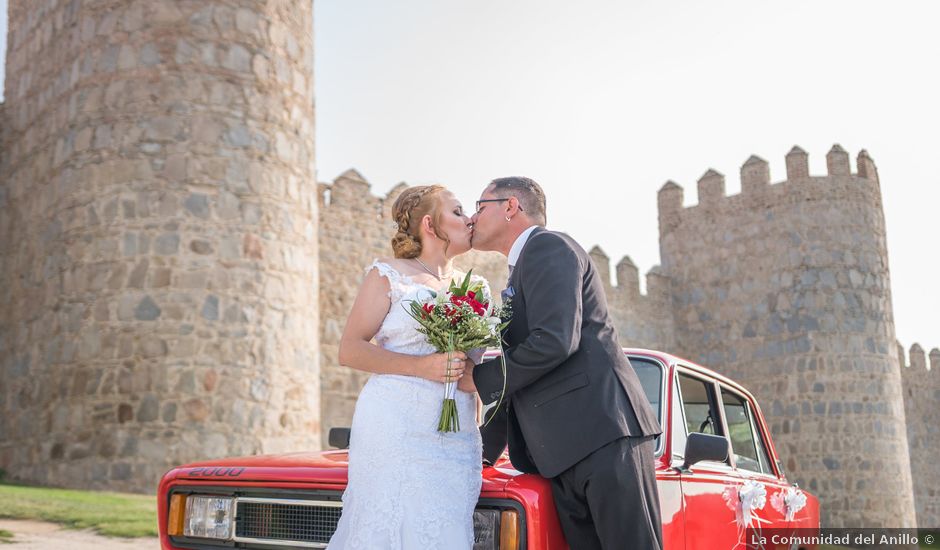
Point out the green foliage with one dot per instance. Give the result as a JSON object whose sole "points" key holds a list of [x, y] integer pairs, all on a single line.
{"points": [[470, 331], [111, 514]]}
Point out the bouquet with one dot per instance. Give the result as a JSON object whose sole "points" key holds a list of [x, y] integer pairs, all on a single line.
{"points": [[461, 319]]}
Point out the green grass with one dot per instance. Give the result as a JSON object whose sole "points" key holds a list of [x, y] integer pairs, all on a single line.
{"points": [[111, 514], [5, 536]]}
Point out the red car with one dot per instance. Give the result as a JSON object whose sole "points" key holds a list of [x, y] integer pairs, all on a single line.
{"points": [[710, 498]]}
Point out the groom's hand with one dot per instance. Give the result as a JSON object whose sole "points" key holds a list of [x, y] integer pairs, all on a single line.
{"points": [[466, 382]]}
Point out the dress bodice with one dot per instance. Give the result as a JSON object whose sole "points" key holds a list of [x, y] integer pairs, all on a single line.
{"points": [[399, 331]]}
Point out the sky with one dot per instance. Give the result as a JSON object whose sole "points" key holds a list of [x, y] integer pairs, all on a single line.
{"points": [[602, 101]]}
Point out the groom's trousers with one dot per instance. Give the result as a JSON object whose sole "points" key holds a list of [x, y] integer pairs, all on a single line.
{"points": [[609, 499]]}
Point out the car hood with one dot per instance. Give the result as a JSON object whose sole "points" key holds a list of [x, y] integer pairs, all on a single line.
{"points": [[318, 467]]}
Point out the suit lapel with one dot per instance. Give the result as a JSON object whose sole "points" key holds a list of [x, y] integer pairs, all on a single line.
{"points": [[514, 278]]}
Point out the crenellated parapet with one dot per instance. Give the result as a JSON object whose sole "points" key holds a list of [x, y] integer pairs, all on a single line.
{"points": [[919, 362], [921, 381], [628, 278], [755, 175], [758, 192], [642, 320]]}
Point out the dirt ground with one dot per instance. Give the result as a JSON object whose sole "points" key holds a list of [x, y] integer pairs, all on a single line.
{"points": [[39, 535]]}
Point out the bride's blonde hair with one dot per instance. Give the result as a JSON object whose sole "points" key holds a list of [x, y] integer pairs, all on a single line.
{"points": [[409, 209]]}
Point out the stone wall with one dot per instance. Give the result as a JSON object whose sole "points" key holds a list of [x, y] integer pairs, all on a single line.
{"points": [[642, 320], [158, 292], [356, 228], [922, 408], [786, 289]]}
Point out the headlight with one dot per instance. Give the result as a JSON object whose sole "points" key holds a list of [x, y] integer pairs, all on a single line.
{"points": [[495, 529], [208, 517]]}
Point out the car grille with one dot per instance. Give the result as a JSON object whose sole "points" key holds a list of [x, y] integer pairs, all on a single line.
{"points": [[301, 523]]}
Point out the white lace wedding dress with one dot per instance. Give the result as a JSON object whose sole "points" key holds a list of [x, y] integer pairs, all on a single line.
{"points": [[410, 486]]}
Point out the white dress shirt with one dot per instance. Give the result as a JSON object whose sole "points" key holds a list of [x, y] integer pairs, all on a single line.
{"points": [[518, 245]]}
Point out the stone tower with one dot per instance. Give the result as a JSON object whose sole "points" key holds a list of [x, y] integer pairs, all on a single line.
{"points": [[786, 288], [922, 408], [158, 237]]}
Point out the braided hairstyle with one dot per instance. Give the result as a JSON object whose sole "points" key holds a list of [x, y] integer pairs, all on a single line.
{"points": [[409, 209]]}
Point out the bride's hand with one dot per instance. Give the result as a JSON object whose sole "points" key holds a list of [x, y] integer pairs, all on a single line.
{"points": [[434, 366]]}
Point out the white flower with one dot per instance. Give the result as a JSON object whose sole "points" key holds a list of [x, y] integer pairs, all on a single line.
{"points": [[795, 500], [753, 496]]}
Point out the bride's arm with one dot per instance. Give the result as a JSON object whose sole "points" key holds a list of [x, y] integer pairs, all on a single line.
{"points": [[357, 351]]}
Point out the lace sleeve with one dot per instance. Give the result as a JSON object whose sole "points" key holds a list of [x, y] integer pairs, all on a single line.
{"points": [[386, 271]]}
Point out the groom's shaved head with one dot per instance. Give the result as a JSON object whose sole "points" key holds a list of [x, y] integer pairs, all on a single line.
{"points": [[527, 192]]}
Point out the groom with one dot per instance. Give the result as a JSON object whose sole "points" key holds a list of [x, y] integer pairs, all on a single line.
{"points": [[573, 409]]}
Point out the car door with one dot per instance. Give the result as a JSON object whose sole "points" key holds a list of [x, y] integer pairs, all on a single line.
{"points": [[709, 521], [750, 457]]}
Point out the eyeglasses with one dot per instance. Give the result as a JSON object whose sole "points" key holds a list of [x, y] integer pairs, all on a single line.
{"points": [[479, 202]]}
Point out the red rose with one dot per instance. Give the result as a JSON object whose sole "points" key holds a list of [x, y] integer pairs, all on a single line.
{"points": [[478, 308]]}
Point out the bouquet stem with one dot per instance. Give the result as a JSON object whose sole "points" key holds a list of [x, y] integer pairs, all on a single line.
{"points": [[449, 421]]}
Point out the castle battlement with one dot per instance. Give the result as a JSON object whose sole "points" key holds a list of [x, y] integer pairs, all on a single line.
{"points": [[352, 190], [919, 362], [628, 278], [757, 191]]}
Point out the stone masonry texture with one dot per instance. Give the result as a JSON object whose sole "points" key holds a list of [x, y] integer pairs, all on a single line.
{"points": [[159, 254], [174, 282]]}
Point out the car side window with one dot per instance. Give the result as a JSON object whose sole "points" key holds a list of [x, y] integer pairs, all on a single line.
{"points": [[746, 444], [697, 404]]}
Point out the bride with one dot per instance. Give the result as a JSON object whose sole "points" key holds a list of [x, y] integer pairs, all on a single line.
{"points": [[410, 486]]}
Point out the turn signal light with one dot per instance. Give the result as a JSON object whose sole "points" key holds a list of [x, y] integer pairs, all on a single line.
{"points": [[177, 512], [509, 530]]}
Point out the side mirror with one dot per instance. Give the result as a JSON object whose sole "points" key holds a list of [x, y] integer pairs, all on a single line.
{"points": [[700, 447], [339, 438]]}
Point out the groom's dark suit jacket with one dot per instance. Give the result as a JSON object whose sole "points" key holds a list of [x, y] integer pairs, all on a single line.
{"points": [[570, 390]]}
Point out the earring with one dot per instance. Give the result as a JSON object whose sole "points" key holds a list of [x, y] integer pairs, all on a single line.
{"points": [[508, 219]]}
